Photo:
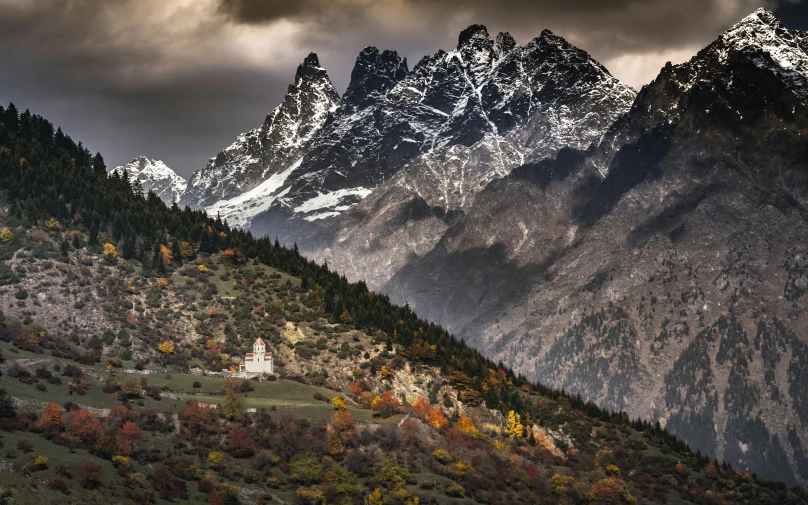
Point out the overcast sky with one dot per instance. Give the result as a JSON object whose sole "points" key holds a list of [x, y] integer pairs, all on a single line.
{"points": [[177, 80]]}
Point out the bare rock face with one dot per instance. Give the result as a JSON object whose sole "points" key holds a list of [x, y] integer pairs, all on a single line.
{"points": [[662, 270]]}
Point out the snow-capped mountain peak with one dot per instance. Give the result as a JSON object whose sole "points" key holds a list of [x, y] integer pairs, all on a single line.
{"points": [[156, 177], [474, 35], [762, 31], [504, 43]]}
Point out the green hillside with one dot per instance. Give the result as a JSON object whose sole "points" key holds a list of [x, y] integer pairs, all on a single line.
{"points": [[110, 299]]}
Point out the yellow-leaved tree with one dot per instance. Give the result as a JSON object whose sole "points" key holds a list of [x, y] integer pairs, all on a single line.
{"points": [[375, 498], [466, 425], [6, 235], [514, 428], [166, 347], [110, 253], [338, 402], [187, 250], [52, 225]]}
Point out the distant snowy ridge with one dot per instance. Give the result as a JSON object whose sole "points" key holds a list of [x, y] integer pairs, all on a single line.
{"points": [[156, 177]]}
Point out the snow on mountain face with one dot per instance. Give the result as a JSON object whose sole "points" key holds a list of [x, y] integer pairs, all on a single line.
{"points": [[240, 210], [459, 118], [272, 148], [156, 177], [487, 106], [536, 100]]}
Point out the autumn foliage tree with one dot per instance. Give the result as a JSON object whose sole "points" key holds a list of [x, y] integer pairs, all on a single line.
{"points": [[127, 436], [514, 427], [386, 405], [611, 491], [356, 388], [711, 470], [240, 443], [437, 420], [424, 411], [166, 255], [342, 423], [421, 407], [110, 253], [90, 475], [338, 402], [84, 425], [195, 419], [234, 406], [466, 425], [51, 419]]}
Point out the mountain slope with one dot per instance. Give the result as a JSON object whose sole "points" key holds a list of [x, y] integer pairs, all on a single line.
{"points": [[472, 431], [660, 271], [156, 177]]}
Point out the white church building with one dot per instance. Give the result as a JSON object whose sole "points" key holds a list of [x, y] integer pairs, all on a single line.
{"points": [[258, 361]]}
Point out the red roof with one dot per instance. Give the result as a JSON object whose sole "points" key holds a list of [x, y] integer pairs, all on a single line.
{"points": [[258, 342]]}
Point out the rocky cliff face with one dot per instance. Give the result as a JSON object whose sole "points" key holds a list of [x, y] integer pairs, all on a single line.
{"points": [[662, 270], [156, 177]]}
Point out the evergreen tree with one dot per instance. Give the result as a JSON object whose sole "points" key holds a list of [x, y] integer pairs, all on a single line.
{"points": [[99, 167], [11, 117]]}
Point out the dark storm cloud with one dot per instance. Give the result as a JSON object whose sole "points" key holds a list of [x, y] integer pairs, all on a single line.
{"points": [[179, 79]]}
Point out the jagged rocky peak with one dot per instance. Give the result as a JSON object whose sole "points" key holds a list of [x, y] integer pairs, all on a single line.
{"points": [[474, 35], [274, 146], [373, 75], [305, 106], [155, 176], [504, 43], [476, 50], [758, 33], [762, 31], [310, 65], [753, 59], [549, 48], [311, 75]]}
